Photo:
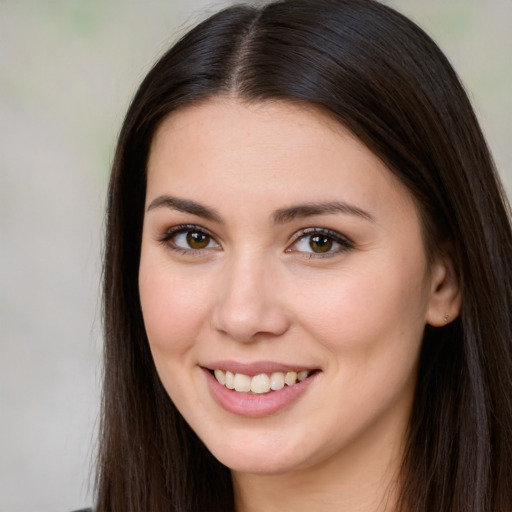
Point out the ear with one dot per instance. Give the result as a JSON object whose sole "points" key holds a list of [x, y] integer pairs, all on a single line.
{"points": [[445, 297]]}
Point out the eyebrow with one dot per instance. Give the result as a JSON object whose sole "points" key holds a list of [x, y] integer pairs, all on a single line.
{"points": [[324, 208], [280, 216], [185, 206]]}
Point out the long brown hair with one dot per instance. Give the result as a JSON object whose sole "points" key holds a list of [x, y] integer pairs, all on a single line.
{"points": [[385, 79]]}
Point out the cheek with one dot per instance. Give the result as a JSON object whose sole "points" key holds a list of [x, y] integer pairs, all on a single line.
{"points": [[173, 306], [372, 327], [376, 310]]}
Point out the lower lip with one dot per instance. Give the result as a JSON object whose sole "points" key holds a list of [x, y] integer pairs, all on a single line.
{"points": [[256, 405]]}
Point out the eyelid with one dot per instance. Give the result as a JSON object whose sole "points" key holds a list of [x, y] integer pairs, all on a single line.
{"points": [[169, 234], [345, 242]]}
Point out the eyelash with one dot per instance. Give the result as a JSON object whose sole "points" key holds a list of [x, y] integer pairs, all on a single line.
{"points": [[332, 237], [344, 243], [185, 229]]}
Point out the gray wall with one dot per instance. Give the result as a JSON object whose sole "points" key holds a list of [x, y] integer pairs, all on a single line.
{"points": [[68, 70]]}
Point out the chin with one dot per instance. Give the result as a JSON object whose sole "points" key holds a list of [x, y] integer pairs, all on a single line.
{"points": [[258, 466], [259, 458]]}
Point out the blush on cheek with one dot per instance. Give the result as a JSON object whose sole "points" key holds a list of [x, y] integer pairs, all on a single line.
{"points": [[172, 308], [357, 313], [342, 312]]}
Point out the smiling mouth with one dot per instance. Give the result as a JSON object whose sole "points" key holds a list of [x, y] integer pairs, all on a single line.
{"points": [[261, 383]]}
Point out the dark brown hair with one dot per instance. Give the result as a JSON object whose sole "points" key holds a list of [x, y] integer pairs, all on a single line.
{"points": [[383, 78]]}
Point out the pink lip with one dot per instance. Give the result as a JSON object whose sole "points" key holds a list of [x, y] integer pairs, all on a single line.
{"points": [[254, 405], [255, 368]]}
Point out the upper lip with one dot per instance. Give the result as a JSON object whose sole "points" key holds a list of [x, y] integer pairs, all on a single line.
{"points": [[256, 367]]}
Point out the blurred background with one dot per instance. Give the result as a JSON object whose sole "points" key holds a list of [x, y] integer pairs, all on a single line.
{"points": [[68, 69]]}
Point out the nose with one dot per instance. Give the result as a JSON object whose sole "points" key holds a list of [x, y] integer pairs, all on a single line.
{"points": [[248, 306]]}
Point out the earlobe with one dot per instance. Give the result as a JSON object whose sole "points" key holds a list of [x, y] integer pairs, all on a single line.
{"points": [[445, 295]]}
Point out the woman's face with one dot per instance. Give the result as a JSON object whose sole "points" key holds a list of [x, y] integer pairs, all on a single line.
{"points": [[281, 254]]}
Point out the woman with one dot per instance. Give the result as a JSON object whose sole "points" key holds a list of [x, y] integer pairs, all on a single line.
{"points": [[307, 275]]}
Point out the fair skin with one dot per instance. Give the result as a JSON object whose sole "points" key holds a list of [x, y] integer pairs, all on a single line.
{"points": [[274, 241]]}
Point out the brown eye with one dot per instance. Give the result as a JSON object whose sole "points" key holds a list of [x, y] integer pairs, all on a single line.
{"points": [[189, 239], [320, 243], [198, 240]]}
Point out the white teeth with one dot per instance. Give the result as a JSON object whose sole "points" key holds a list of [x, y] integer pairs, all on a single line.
{"points": [[290, 378], [220, 376], [259, 384], [242, 382], [277, 381], [230, 380], [302, 375]]}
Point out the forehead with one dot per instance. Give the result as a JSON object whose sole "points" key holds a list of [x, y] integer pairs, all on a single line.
{"points": [[277, 150], [230, 122]]}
